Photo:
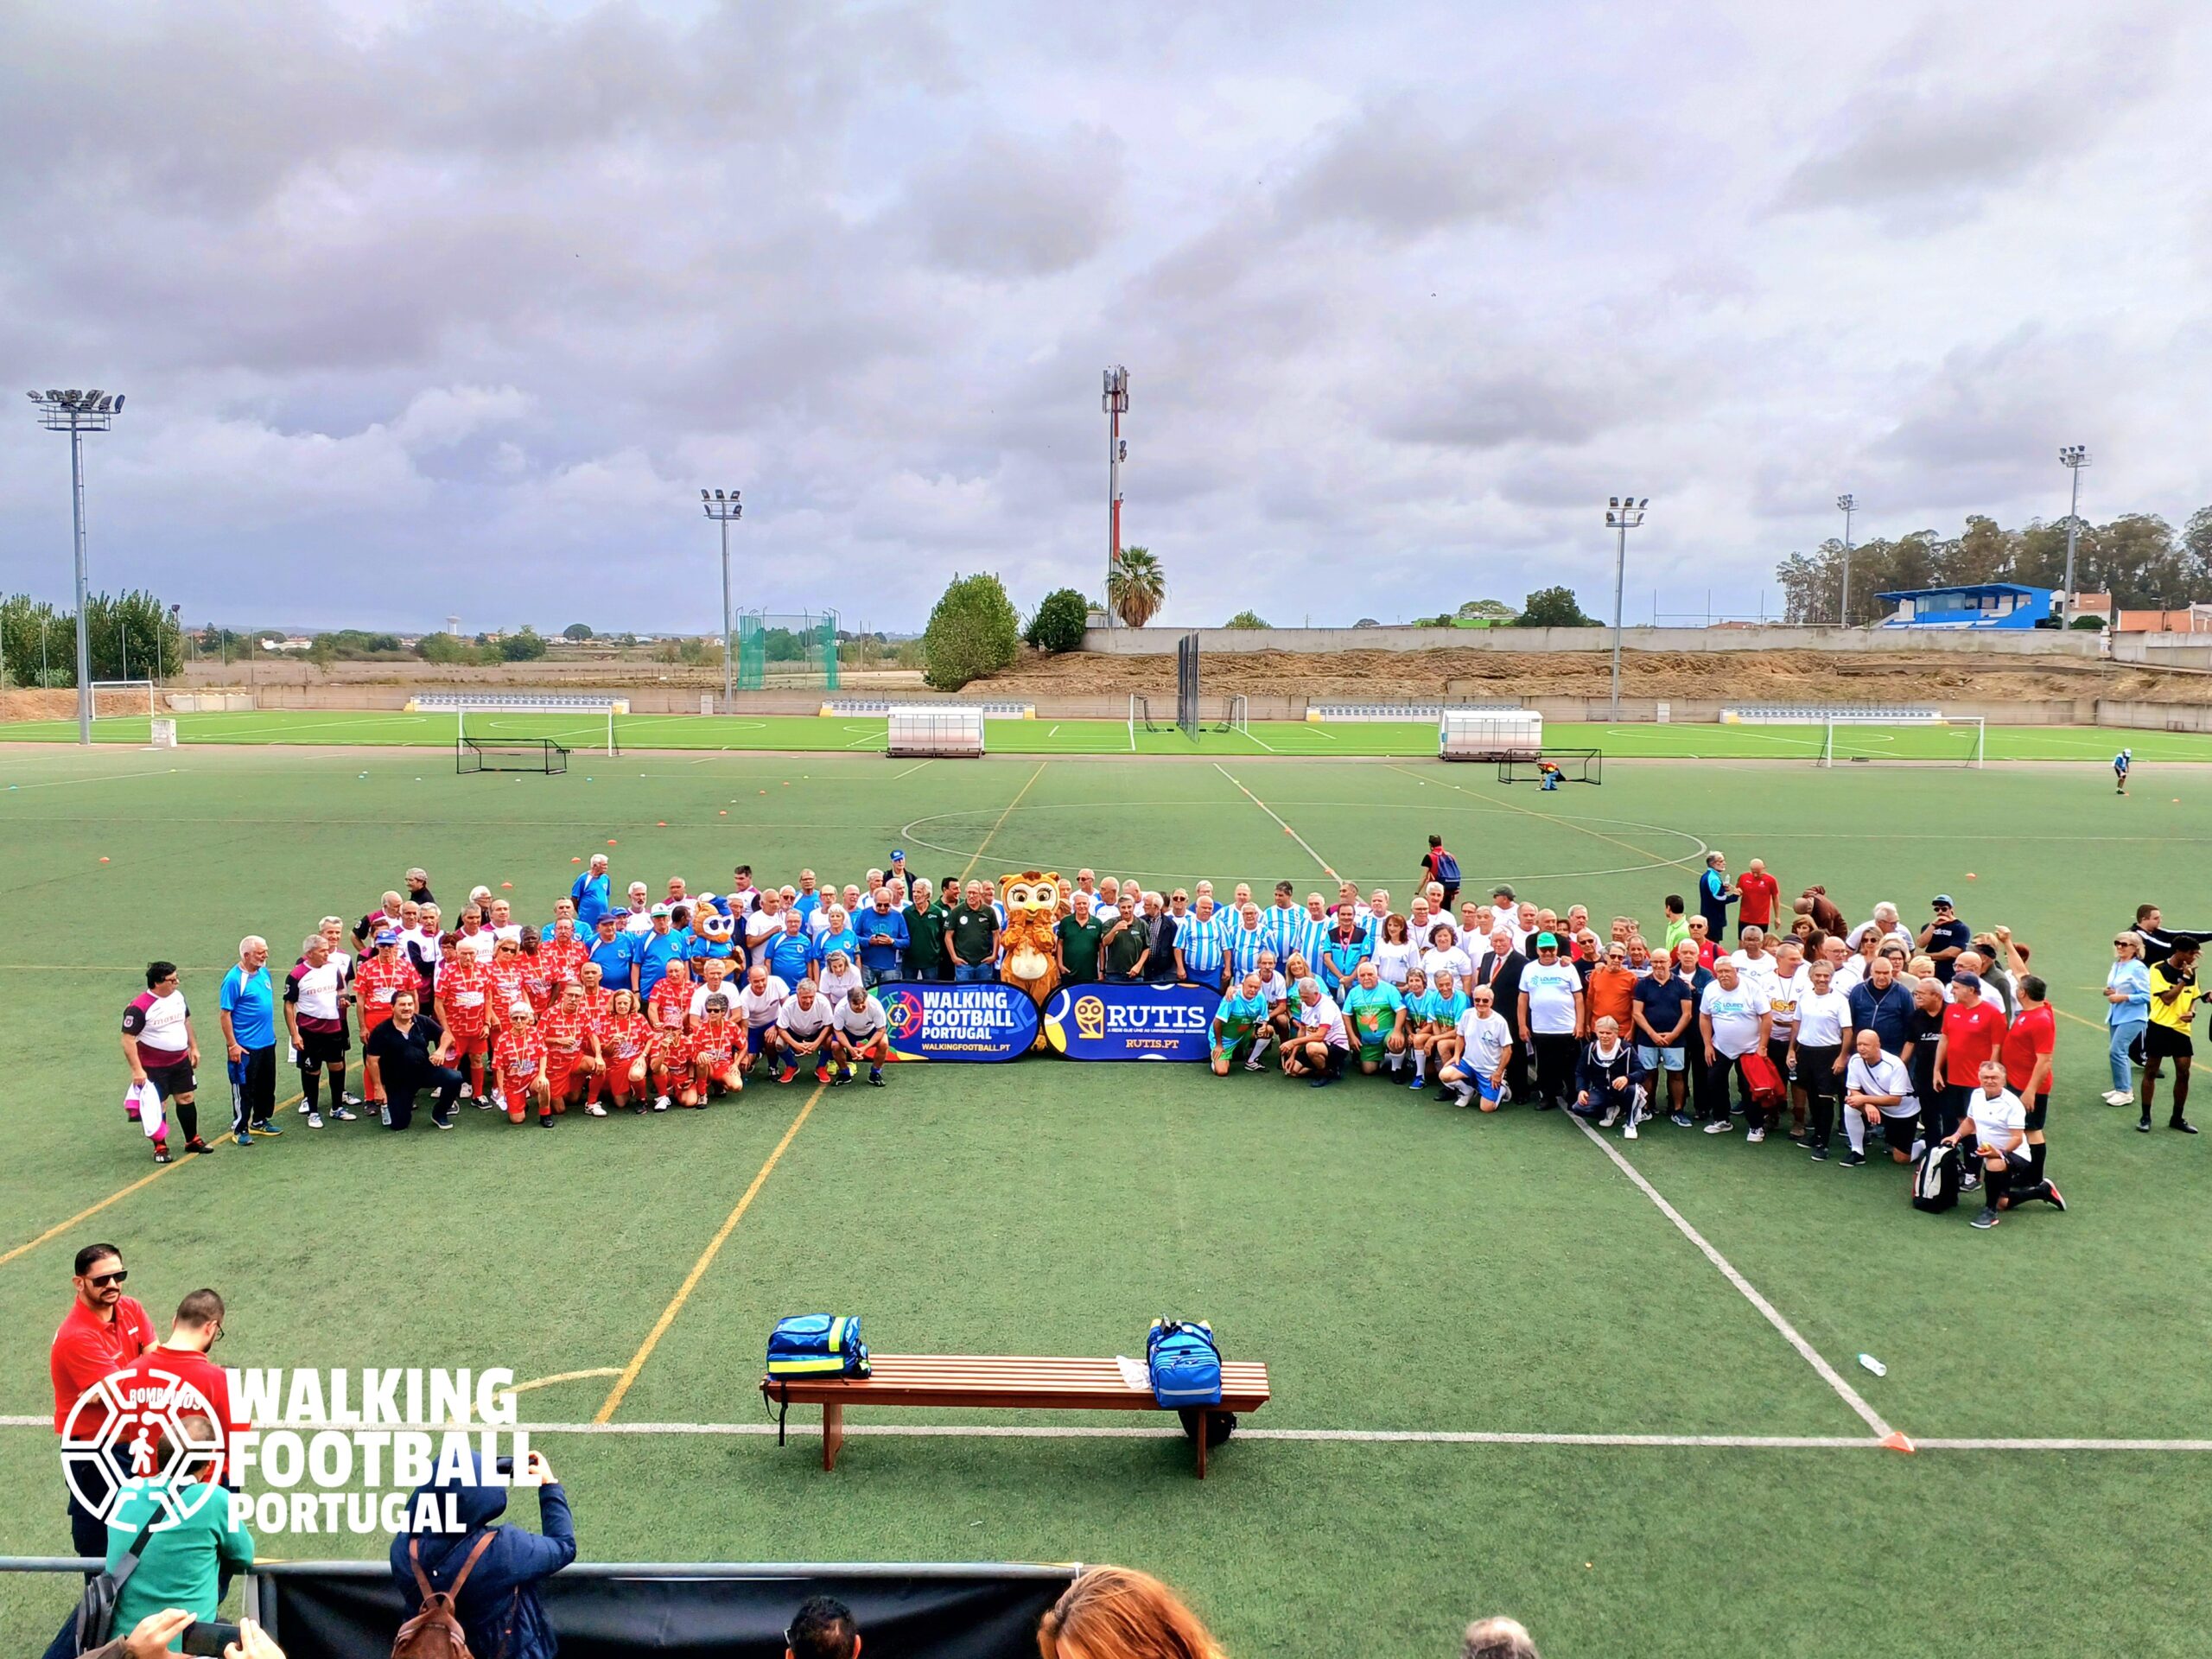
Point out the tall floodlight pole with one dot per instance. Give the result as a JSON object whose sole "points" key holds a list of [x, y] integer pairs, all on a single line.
{"points": [[1115, 402], [1846, 504], [2074, 457], [722, 509], [1623, 513], [78, 413]]}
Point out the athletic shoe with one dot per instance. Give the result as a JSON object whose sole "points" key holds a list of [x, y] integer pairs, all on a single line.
{"points": [[161, 1154], [1319, 1080], [1853, 1160], [314, 1120], [1718, 1125], [198, 1146], [2116, 1097], [351, 1100], [1629, 1134], [437, 1123], [1446, 1095], [661, 1105], [243, 1141], [874, 1078], [1253, 1065], [822, 1074], [1419, 1082], [467, 1091], [1683, 1121], [1986, 1220], [1820, 1154], [545, 1120], [595, 1109], [487, 1105], [2051, 1197], [1756, 1137], [784, 1075], [267, 1128], [1547, 1105], [2183, 1125], [1612, 1117], [1970, 1182], [305, 1108], [342, 1115], [2143, 1125]]}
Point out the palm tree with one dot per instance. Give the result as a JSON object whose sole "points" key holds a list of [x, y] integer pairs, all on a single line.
{"points": [[1137, 587]]}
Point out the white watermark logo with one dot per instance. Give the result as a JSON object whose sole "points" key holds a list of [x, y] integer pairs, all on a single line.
{"points": [[307, 1450]]}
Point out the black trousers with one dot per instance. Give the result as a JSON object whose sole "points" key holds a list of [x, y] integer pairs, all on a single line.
{"points": [[1556, 1052], [1823, 1087], [253, 1089], [399, 1094]]}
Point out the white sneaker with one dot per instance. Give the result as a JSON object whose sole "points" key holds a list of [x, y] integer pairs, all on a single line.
{"points": [[352, 1100], [314, 1120], [305, 1108], [467, 1092], [2116, 1098], [660, 1103], [1755, 1136], [1629, 1134], [1612, 1117], [595, 1109], [1718, 1125]]}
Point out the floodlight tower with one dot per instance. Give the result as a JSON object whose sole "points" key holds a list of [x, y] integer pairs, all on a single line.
{"points": [[78, 413], [2074, 457], [1115, 402], [1846, 504], [1623, 513], [723, 509]]}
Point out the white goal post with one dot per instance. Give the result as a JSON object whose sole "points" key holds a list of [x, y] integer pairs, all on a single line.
{"points": [[521, 703], [126, 699], [1844, 732]]}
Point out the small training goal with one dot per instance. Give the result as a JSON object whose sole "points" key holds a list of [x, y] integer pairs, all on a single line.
{"points": [[1826, 733], [540, 754], [123, 699], [1567, 766]]}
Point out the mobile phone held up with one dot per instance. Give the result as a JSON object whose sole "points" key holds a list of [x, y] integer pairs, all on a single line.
{"points": [[209, 1639]]}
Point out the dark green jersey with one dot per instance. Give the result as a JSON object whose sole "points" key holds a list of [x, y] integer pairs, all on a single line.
{"points": [[1125, 947], [926, 940], [1079, 946], [973, 932]]}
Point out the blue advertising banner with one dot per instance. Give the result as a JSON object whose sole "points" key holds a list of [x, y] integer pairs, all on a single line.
{"points": [[934, 1021], [1131, 1022]]}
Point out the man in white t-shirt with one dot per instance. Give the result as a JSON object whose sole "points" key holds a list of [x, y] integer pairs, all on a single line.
{"points": [[1317, 1048], [1787, 984], [1734, 1019], [714, 972], [1550, 1021], [641, 919], [1997, 1124], [1485, 1043], [803, 1032], [758, 1004], [1819, 1053], [861, 1032], [1877, 1088]]}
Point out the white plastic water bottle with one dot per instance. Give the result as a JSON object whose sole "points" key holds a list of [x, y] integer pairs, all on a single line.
{"points": [[1873, 1364]]}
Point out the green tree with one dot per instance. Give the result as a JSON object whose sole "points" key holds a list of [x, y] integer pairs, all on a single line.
{"points": [[578, 632], [1248, 619], [38, 645], [322, 650], [972, 631], [447, 648], [1553, 607], [1486, 610], [1137, 586], [525, 644], [131, 636], [1059, 621]]}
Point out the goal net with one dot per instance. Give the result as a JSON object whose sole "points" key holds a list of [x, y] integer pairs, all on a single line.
{"points": [[123, 699], [1833, 735], [509, 716], [1553, 766], [540, 754]]}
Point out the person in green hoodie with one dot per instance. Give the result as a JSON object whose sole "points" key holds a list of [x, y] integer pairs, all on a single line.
{"points": [[925, 920], [187, 1566]]}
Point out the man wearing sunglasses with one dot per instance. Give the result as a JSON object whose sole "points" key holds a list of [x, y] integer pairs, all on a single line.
{"points": [[104, 1331]]}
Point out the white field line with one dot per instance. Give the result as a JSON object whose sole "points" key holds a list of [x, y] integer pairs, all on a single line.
{"points": [[910, 770], [108, 778], [1271, 812], [1806, 1351], [1353, 1436]]}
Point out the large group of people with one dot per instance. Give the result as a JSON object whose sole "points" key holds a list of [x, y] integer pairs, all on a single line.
{"points": [[1740, 1011]]}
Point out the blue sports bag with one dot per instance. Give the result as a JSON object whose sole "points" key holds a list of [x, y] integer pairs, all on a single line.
{"points": [[818, 1345], [1185, 1364]]}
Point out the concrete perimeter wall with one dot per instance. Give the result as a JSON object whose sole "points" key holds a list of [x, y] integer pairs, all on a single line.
{"points": [[1152, 642]]}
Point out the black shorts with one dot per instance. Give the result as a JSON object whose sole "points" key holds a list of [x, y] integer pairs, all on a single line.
{"points": [[322, 1048], [2163, 1042], [170, 1081], [1901, 1132], [2036, 1111]]}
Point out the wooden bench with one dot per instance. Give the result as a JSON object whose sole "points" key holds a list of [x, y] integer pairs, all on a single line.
{"points": [[1006, 1382]]}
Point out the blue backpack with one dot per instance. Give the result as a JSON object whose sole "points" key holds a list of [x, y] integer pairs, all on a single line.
{"points": [[1447, 869], [818, 1345], [1185, 1364]]}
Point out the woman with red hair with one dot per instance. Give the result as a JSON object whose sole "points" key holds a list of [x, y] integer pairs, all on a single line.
{"points": [[1113, 1612]]}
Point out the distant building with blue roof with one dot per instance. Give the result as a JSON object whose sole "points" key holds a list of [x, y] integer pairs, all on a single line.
{"points": [[1971, 605]]}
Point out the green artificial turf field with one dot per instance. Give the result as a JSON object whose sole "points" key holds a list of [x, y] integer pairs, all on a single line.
{"points": [[815, 734], [1493, 1354]]}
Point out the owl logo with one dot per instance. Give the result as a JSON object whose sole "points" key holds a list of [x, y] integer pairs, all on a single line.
{"points": [[1090, 1017]]}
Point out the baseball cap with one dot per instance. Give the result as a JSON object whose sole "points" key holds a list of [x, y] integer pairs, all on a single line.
{"points": [[385, 935], [898, 853], [1547, 940], [657, 909], [1943, 900], [1966, 976]]}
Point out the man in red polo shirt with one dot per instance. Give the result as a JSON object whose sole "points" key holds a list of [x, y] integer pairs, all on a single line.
{"points": [[179, 1374], [1973, 1030], [104, 1331], [2030, 1057], [1759, 892]]}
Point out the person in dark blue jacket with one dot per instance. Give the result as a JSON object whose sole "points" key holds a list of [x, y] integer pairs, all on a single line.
{"points": [[500, 1607], [1714, 895], [1609, 1079]]}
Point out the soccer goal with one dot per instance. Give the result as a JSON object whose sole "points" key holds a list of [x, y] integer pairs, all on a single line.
{"points": [[1141, 718], [1568, 766], [528, 754], [487, 708], [1856, 734], [123, 699], [1236, 716]]}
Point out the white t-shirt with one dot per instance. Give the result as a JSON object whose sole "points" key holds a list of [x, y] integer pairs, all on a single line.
{"points": [[742, 904], [1999, 1121], [1735, 1016], [1784, 997], [863, 1021], [728, 990], [1848, 976], [1887, 1076], [835, 985], [1487, 1037], [1394, 961], [1274, 989], [165, 1018], [317, 990], [1324, 1013], [511, 933], [760, 1009], [1434, 961], [479, 945], [802, 1022], [1551, 992], [639, 922], [760, 925], [1822, 1021]]}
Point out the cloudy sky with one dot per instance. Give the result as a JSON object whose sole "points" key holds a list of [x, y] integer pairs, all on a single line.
{"points": [[453, 309]]}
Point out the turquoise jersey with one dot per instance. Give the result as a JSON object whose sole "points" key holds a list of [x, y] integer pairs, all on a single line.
{"points": [[1431, 1005], [1373, 1012], [1237, 1018]]}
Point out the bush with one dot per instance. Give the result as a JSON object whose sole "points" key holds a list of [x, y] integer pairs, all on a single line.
{"points": [[1248, 619], [2093, 624], [1553, 607], [525, 647], [578, 632], [1059, 621], [972, 631]]}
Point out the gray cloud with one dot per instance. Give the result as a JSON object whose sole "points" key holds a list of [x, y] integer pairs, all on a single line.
{"points": [[1006, 207]]}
